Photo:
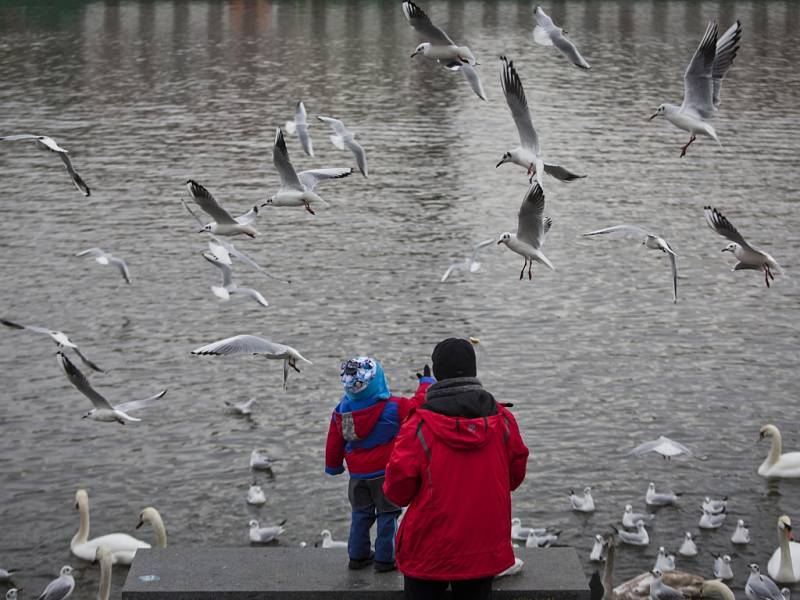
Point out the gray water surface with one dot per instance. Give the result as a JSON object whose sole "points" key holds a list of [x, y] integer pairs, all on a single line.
{"points": [[595, 356]]}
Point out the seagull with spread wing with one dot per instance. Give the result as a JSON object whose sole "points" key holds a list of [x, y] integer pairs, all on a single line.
{"points": [[59, 337], [103, 410], [104, 258], [651, 241], [229, 286], [344, 140], [441, 48], [470, 264], [44, 142], [547, 33], [528, 153], [532, 229], [702, 82], [223, 223], [300, 127], [749, 256]]}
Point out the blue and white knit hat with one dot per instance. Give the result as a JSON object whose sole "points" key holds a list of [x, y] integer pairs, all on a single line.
{"points": [[363, 378]]}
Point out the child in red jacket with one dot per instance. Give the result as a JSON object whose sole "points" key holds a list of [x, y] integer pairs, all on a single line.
{"points": [[362, 431]]}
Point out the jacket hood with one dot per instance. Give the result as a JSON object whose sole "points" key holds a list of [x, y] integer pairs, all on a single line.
{"points": [[460, 433], [460, 397], [358, 424]]}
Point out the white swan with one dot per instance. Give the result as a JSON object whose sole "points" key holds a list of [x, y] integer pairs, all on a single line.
{"points": [[104, 558], [121, 545], [777, 464], [784, 565], [152, 516]]}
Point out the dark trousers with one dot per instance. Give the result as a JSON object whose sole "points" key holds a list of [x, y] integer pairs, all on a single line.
{"points": [[368, 504], [466, 589]]}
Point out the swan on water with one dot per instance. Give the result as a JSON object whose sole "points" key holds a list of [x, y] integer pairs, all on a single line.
{"points": [[777, 464], [784, 565]]}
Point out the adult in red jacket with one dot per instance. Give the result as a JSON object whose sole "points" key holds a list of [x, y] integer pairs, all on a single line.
{"points": [[454, 463]]}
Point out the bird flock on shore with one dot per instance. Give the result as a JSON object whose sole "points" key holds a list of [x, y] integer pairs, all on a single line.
{"points": [[703, 78]]}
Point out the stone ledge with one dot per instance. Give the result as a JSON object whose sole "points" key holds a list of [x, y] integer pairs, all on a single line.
{"points": [[315, 574]]}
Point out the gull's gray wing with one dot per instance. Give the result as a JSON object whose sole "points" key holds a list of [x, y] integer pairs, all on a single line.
{"points": [[763, 588], [93, 252], [280, 158], [422, 24], [674, 268], [727, 48], [300, 115], [206, 201], [58, 589], [137, 404], [33, 328], [19, 136], [515, 97], [76, 179], [360, 155], [122, 266], [740, 266], [697, 86], [548, 223], [629, 229], [254, 294], [723, 227], [241, 344], [542, 18], [191, 212], [248, 217], [337, 126], [301, 122], [226, 270], [311, 178], [450, 269], [86, 361], [79, 380], [568, 49], [476, 248], [645, 447], [561, 173], [471, 75], [530, 227]]}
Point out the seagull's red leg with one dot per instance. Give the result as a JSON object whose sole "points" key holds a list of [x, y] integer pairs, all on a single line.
{"points": [[308, 208], [530, 266], [521, 273], [689, 143]]}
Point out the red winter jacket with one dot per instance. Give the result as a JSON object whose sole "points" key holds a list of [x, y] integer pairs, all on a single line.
{"points": [[456, 474]]}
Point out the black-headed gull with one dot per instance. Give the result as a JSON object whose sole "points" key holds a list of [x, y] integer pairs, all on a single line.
{"points": [[583, 503], [702, 82], [103, 410], [711, 521], [598, 553], [653, 498], [688, 547], [761, 587], [532, 230], [664, 562], [528, 153], [328, 541], [639, 537], [660, 590], [60, 588], [297, 189], [749, 256], [223, 223], [251, 344], [441, 48], [104, 258], [344, 140], [722, 566], [651, 241], [263, 535], [241, 408], [470, 264], [629, 518], [44, 142], [539, 539], [255, 495], [12, 594], [741, 534], [663, 446], [300, 127], [59, 337], [6, 575], [229, 286], [260, 461], [715, 506], [546, 33]]}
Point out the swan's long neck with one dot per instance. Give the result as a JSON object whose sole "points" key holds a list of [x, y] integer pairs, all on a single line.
{"points": [[161, 531], [83, 529], [785, 568], [104, 591], [775, 449], [608, 574]]}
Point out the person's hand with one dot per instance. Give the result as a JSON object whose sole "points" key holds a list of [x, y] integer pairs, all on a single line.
{"points": [[426, 372]]}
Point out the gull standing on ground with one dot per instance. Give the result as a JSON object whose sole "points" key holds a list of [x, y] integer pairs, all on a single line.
{"points": [[722, 567], [59, 337], [637, 538], [223, 223], [251, 344], [300, 126], [702, 82], [532, 230], [761, 587], [528, 153], [344, 140], [44, 142], [749, 256], [241, 408], [741, 535], [715, 506], [443, 49], [104, 258], [328, 541], [688, 547], [102, 411], [546, 33], [297, 189], [663, 446], [651, 241], [653, 498], [469, 264], [660, 590], [262, 535], [583, 503], [60, 588], [229, 286], [629, 518]]}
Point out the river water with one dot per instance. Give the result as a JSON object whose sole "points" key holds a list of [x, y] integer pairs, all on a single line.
{"points": [[595, 356]]}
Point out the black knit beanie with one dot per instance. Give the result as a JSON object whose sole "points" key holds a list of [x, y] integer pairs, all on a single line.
{"points": [[453, 357]]}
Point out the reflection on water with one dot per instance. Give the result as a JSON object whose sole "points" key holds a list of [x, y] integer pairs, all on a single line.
{"points": [[594, 356]]}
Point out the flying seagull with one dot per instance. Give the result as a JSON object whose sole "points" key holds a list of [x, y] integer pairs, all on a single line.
{"points": [[300, 126], [651, 241], [546, 33], [59, 337], [532, 229], [229, 286], [749, 256], [469, 264], [47, 143], [104, 258], [663, 446], [702, 82], [103, 410], [344, 140], [223, 223], [528, 153]]}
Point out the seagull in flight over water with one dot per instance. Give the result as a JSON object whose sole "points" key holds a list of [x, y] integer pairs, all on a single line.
{"points": [[547, 33], [532, 229], [223, 223], [44, 142], [59, 337]]}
